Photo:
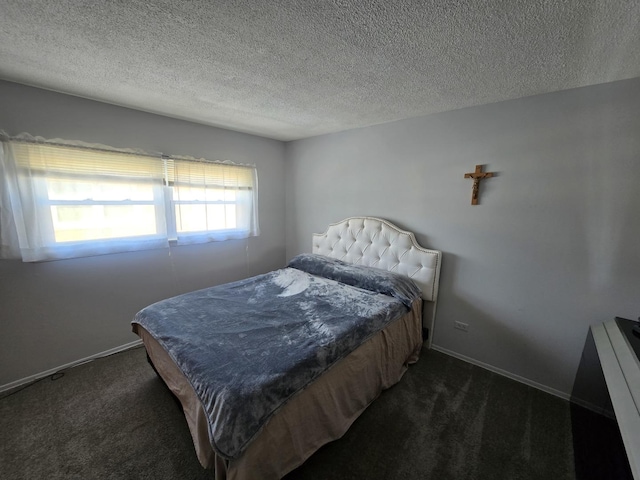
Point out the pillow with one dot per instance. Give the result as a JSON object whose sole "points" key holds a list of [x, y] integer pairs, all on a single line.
{"points": [[367, 278]]}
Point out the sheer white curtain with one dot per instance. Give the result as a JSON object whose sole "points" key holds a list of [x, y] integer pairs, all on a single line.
{"points": [[213, 201], [9, 243], [65, 201], [62, 199]]}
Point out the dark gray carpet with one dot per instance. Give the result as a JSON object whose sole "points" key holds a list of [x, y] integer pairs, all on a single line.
{"points": [[113, 418]]}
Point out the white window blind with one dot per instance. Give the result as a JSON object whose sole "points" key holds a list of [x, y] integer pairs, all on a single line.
{"points": [[212, 201], [65, 201]]}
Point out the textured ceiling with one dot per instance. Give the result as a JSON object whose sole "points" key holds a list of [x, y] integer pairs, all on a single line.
{"points": [[294, 69]]}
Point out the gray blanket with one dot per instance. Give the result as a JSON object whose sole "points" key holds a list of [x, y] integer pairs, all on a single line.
{"points": [[247, 347]]}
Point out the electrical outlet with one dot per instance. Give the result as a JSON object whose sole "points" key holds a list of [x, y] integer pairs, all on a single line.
{"points": [[461, 326]]}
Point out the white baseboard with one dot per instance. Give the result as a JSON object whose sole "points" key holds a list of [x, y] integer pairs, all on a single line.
{"points": [[504, 373], [565, 396], [594, 408], [499, 371], [38, 376]]}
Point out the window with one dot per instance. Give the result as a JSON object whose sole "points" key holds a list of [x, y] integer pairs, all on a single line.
{"points": [[100, 209], [71, 201], [211, 201]]}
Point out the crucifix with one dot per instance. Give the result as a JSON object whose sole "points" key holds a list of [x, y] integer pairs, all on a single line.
{"points": [[477, 176]]}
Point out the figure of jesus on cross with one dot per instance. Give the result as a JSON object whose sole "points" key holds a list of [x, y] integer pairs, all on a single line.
{"points": [[477, 176]]}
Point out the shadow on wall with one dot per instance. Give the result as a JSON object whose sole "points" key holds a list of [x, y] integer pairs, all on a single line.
{"points": [[599, 453]]}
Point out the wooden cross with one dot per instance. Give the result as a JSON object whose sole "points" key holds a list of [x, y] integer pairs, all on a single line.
{"points": [[477, 176]]}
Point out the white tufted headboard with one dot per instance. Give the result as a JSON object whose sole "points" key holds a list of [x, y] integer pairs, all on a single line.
{"points": [[377, 243]]}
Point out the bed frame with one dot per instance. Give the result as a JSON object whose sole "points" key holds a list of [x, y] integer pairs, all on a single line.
{"points": [[326, 408], [375, 242]]}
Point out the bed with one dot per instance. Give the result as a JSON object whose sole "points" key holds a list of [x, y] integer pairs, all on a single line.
{"points": [[316, 343]]}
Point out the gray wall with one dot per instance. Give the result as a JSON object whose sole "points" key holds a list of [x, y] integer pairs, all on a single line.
{"points": [[54, 313], [551, 249]]}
